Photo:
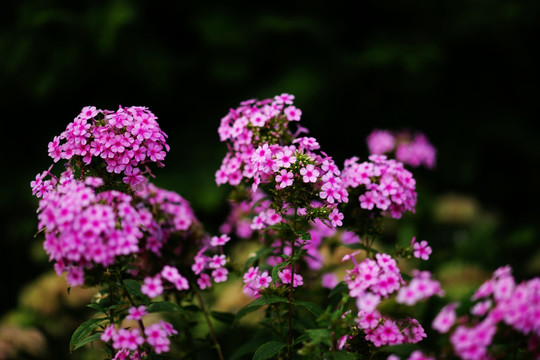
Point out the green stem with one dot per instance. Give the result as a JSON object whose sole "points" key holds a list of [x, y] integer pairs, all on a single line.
{"points": [[208, 322], [291, 286]]}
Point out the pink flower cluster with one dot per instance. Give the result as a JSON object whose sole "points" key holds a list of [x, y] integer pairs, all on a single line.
{"points": [[498, 300], [286, 166], [250, 125], [412, 150], [421, 287], [415, 355], [129, 342], [372, 280], [211, 267], [389, 187], [381, 330], [255, 281], [153, 286], [84, 227], [126, 140], [175, 215]]}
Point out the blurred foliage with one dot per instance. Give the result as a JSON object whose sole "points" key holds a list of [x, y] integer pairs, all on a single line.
{"points": [[464, 72]]}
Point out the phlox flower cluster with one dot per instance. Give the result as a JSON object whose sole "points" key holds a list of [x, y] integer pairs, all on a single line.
{"points": [[84, 227], [131, 343], [384, 184], [175, 215], [421, 287], [415, 355], [304, 172], [210, 261], [256, 280], [127, 140], [498, 300], [372, 280], [251, 124], [414, 150], [264, 151], [381, 330], [153, 285], [239, 219]]}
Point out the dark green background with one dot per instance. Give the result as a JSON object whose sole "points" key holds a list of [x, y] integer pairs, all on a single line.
{"points": [[463, 72]]}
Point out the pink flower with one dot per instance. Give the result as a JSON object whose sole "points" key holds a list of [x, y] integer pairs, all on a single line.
{"points": [[445, 319], [380, 142], [336, 217], [136, 313], [204, 281], [108, 333], [284, 98], [285, 178], [285, 158], [309, 173], [329, 280], [152, 286], [285, 276], [292, 113], [219, 241], [220, 275], [422, 250]]}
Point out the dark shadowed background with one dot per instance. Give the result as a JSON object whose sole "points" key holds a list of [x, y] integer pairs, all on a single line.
{"points": [[463, 72]]}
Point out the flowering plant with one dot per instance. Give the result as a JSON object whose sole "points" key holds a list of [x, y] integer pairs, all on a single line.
{"points": [[154, 265]]}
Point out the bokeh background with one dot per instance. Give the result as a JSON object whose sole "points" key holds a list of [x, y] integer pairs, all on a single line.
{"points": [[464, 72]]}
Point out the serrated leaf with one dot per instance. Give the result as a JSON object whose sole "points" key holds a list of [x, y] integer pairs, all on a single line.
{"points": [[83, 331], [266, 351], [164, 306], [133, 288], [224, 317], [89, 339], [256, 304], [312, 307]]}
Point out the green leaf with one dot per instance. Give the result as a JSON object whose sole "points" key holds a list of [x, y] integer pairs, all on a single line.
{"points": [[339, 290], [280, 226], [165, 306], [264, 251], [256, 304], [133, 288], [266, 351], [341, 355], [312, 307], [276, 269], [304, 235], [83, 331], [96, 307], [247, 348], [355, 246], [301, 338], [93, 337], [320, 336], [224, 317]]}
